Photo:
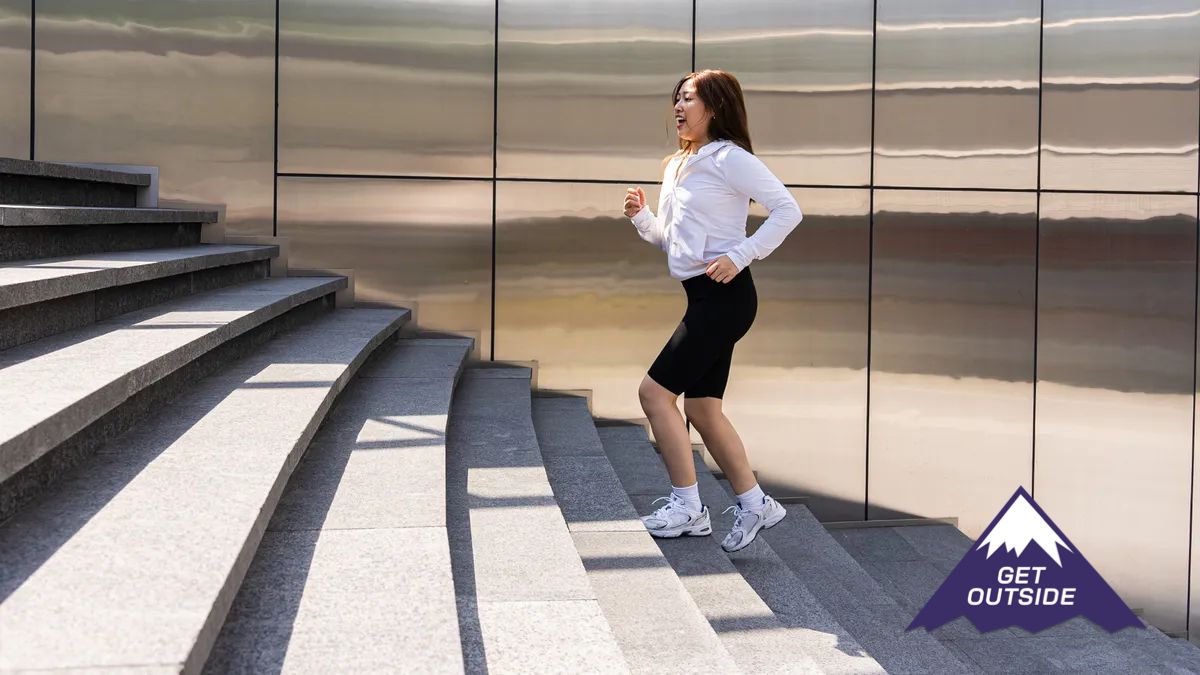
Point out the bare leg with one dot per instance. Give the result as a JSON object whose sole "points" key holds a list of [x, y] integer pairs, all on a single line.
{"points": [[670, 432], [722, 440]]}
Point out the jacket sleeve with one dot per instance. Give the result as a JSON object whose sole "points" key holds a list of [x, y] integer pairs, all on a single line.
{"points": [[747, 175], [648, 226]]}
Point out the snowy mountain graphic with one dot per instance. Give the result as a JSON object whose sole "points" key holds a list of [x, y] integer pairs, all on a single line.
{"points": [[1020, 524], [1024, 572]]}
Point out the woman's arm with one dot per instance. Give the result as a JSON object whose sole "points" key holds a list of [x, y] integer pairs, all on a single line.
{"points": [[648, 226], [747, 175]]}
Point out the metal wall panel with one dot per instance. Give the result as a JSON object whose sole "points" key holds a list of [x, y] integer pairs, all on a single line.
{"points": [[956, 101], [585, 87], [579, 291], [421, 244], [805, 68], [15, 37], [1120, 94], [1115, 364], [398, 87], [186, 86], [952, 340]]}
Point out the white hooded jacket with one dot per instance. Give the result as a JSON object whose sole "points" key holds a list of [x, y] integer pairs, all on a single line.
{"points": [[702, 215]]}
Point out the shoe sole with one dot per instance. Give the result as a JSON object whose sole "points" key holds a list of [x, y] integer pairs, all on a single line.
{"points": [[704, 532], [754, 535]]}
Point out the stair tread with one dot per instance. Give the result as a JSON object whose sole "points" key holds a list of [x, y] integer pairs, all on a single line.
{"points": [[134, 560], [523, 594], [32, 216], [370, 561], [24, 167], [636, 587], [29, 281], [751, 632], [54, 387]]}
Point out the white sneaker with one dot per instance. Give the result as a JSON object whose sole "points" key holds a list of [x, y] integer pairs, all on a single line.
{"points": [[747, 523], [674, 519]]}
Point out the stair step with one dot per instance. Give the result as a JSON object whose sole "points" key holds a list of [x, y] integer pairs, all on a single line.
{"points": [[854, 599], [524, 598], [44, 297], [44, 183], [28, 281], [51, 216], [135, 560], [635, 586], [354, 573], [54, 388], [757, 638], [910, 563]]}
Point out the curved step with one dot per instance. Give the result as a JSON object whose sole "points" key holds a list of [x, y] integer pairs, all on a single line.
{"points": [[27, 182], [655, 621], [48, 296], [524, 599], [135, 560], [354, 572], [52, 216], [53, 388]]}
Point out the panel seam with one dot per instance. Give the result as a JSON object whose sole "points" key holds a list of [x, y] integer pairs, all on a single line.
{"points": [[1037, 250], [495, 163], [32, 79], [275, 123], [870, 265]]}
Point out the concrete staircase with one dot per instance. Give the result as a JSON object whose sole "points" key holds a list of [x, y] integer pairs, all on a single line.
{"points": [[207, 469]]}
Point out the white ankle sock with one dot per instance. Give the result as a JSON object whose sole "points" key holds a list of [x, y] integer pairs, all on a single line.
{"points": [[690, 495], [752, 499]]}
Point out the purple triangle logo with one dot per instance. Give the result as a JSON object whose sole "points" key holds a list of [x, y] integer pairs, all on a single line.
{"points": [[1023, 571]]}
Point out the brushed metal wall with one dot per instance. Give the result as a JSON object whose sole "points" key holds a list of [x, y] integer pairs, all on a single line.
{"points": [[398, 87], [1119, 101], [186, 86], [1115, 364], [956, 93], [421, 244], [585, 87], [15, 37], [805, 69], [952, 335]]}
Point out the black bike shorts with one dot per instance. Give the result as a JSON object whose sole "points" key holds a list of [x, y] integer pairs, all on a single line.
{"points": [[695, 361]]}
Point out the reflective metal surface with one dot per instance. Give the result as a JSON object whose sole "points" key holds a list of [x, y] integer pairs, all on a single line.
{"points": [[952, 334], [1119, 88], [585, 87], [15, 36], [1115, 363], [805, 68], [579, 291], [421, 244], [187, 86], [956, 93], [397, 87]]}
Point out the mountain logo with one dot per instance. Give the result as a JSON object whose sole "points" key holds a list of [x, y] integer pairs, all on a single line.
{"points": [[1023, 571]]}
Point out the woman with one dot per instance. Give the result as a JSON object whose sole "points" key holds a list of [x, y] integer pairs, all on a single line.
{"points": [[701, 225]]}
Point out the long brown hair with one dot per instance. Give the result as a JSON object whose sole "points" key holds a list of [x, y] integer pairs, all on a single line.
{"points": [[722, 95]]}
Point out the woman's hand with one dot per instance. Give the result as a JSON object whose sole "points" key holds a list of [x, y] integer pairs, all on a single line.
{"points": [[635, 200], [722, 269]]}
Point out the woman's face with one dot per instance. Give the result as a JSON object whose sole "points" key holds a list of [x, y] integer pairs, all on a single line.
{"points": [[691, 115]]}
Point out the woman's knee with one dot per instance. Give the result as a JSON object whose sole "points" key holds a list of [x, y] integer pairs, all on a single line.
{"points": [[654, 396]]}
